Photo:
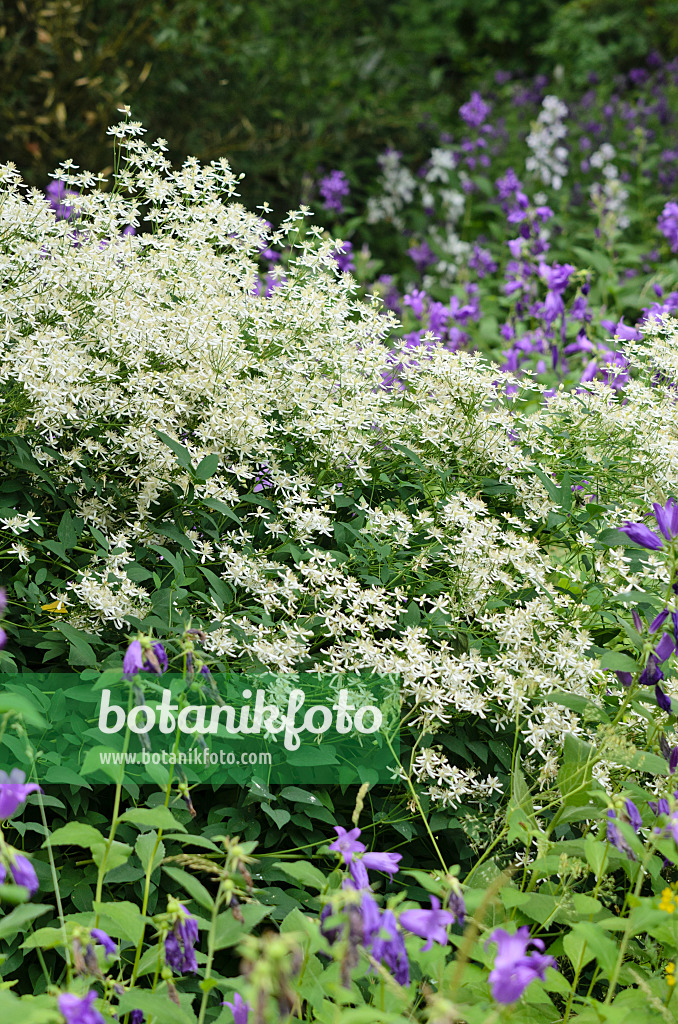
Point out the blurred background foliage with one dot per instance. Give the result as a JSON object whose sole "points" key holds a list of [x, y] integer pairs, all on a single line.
{"points": [[284, 87]]}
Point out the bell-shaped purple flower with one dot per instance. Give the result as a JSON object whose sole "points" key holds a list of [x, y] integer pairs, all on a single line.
{"points": [[240, 1009], [667, 518], [660, 806], [347, 843], [179, 952], [132, 663], [100, 936], [659, 621], [665, 648], [651, 674], [389, 948], [136, 1017], [13, 791], [514, 968], [663, 699], [643, 535], [386, 862], [79, 1011], [23, 873], [428, 924]]}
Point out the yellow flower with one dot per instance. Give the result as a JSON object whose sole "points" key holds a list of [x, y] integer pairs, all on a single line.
{"points": [[670, 974]]}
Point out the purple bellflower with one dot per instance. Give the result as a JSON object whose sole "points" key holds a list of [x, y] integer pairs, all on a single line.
{"points": [[13, 791], [179, 951], [428, 924], [347, 843], [79, 1011], [23, 873], [240, 1009], [391, 948], [514, 968], [152, 657], [100, 936]]}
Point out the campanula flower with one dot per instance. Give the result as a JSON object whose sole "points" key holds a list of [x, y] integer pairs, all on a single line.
{"points": [[13, 791], [79, 1011], [240, 1009], [179, 951], [347, 843], [667, 518], [386, 862], [643, 535], [514, 968], [100, 936], [23, 873], [428, 924], [389, 947]]}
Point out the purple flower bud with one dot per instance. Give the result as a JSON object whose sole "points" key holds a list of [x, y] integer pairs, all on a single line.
{"points": [[659, 621], [625, 678], [660, 806], [633, 815], [100, 936], [663, 700], [665, 648], [641, 534], [24, 874], [386, 862]]}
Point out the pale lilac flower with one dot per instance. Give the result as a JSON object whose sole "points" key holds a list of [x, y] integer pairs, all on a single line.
{"points": [[333, 188]]}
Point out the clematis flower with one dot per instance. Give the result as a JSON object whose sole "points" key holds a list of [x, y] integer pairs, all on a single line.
{"points": [[514, 968], [79, 1011], [240, 1009], [13, 791], [428, 924]]}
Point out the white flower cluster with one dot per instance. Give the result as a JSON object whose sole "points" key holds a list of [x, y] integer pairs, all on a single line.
{"points": [[548, 159], [397, 185], [609, 195], [110, 341]]}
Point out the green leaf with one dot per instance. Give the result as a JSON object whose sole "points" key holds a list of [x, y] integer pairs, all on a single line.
{"points": [[576, 772], [123, 920], [19, 704], [66, 531], [152, 817], [81, 651], [183, 455], [146, 849], [15, 923], [195, 889], [303, 872], [616, 661], [76, 833], [229, 931], [207, 467]]}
